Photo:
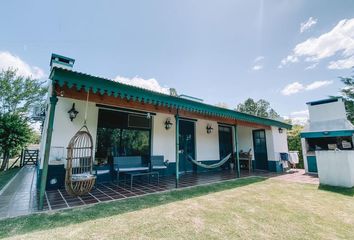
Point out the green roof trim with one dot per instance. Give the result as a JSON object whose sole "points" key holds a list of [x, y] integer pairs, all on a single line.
{"points": [[97, 84], [324, 101], [324, 134]]}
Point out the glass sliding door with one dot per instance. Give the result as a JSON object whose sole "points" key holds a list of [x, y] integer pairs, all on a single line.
{"points": [[121, 134], [186, 145], [225, 141]]}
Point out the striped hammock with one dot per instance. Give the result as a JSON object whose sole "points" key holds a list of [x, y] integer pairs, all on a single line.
{"points": [[209, 166]]}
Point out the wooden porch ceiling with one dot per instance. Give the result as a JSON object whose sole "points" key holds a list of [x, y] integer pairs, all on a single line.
{"points": [[105, 99]]}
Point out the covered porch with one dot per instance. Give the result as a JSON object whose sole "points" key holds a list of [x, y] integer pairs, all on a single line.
{"points": [[126, 121]]}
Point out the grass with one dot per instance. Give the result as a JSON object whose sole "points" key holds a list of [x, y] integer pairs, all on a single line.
{"points": [[6, 176], [253, 208]]}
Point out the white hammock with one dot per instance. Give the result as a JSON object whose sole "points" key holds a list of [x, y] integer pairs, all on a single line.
{"points": [[215, 165]]}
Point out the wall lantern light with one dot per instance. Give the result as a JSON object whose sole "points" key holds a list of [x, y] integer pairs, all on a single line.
{"points": [[72, 112], [168, 123], [209, 128], [280, 130]]}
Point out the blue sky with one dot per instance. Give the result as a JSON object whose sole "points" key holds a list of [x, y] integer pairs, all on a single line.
{"points": [[287, 52]]}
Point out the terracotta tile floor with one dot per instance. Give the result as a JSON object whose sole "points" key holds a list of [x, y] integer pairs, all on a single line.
{"points": [[25, 196]]}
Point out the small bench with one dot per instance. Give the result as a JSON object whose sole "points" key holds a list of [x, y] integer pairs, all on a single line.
{"points": [[135, 174], [128, 164]]}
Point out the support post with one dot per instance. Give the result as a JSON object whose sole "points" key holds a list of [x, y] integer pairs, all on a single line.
{"points": [[177, 149], [237, 160], [48, 142]]}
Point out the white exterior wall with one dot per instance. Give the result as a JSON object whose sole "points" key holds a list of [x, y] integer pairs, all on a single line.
{"points": [[64, 129], [245, 139], [336, 168], [320, 112], [276, 143], [164, 141], [207, 145]]}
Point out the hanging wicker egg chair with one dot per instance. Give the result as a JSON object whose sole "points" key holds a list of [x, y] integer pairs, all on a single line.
{"points": [[79, 178]]}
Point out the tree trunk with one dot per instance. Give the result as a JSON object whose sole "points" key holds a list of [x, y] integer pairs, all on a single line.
{"points": [[5, 160]]}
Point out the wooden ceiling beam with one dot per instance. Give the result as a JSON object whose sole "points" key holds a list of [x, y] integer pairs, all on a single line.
{"points": [[104, 99]]}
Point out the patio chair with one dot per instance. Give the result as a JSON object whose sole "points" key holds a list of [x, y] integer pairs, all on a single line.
{"points": [[158, 163], [102, 174], [79, 177], [128, 164]]}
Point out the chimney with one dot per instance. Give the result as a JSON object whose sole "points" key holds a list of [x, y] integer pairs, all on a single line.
{"points": [[61, 61]]}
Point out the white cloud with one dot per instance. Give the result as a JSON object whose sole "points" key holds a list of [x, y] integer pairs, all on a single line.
{"points": [[290, 58], [292, 88], [257, 67], [342, 63], [257, 63], [308, 24], [259, 58], [299, 117], [297, 87], [150, 84], [301, 112], [317, 84], [311, 66], [339, 40], [8, 60]]}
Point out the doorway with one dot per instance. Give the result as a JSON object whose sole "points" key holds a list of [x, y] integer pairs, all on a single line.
{"points": [[260, 149], [225, 141], [186, 145]]}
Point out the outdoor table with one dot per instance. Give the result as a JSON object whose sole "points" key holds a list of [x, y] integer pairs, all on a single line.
{"points": [[135, 174]]}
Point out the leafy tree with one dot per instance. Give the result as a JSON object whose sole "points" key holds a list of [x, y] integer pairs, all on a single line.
{"points": [[15, 133], [261, 108], [294, 142], [35, 137], [19, 93], [348, 94]]}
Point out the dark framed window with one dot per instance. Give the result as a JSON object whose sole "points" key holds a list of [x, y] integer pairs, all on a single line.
{"points": [[122, 134]]}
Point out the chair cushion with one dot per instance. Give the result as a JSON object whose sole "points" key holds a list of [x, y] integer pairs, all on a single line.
{"points": [[159, 167], [133, 169], [104, 171], [82, 176]]}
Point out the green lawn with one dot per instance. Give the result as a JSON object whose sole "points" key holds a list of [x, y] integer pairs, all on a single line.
{"points": [[253, 208], [6, 176]]}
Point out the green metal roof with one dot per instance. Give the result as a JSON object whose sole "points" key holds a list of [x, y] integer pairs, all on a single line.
{"points": [[97, 84]]}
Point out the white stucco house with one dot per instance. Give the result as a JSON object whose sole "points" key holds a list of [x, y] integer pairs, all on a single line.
{"points": [[125, 120]]}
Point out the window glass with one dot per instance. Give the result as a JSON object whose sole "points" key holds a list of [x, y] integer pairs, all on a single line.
{"points": [[115, 138]]}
